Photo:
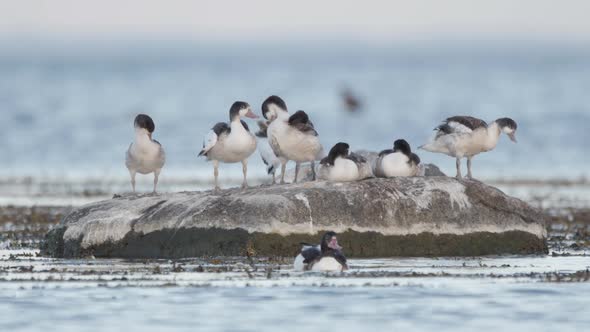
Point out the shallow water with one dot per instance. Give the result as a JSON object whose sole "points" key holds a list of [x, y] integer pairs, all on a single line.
{"points": [[504, 293]]}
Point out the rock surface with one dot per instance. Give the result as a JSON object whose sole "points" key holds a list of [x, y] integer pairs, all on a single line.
{"points": [[417, 216]]}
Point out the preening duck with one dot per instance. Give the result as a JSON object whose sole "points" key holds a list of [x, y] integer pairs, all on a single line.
{"points": [[291, 137], [399, 161], [145, 155], [342, 166], [466, 136], [231, 143], [268, 156], [325, 257]]}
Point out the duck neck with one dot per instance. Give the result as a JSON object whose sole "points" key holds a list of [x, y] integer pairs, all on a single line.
{"points": [[282, 115], [493, 134], [142, 136], [236, 124]]}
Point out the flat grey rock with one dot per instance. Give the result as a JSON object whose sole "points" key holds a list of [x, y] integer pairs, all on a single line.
{"points": [[415, 216]]}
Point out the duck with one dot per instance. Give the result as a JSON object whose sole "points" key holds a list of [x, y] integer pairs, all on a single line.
{"points": [[399, 161], [145, 155], [291, 137], [466, 136], [231, 142], [324, 257], [270, 160], [342, 166]]}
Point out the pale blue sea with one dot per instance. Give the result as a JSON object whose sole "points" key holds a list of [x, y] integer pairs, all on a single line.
{"points": [[69, 114]]}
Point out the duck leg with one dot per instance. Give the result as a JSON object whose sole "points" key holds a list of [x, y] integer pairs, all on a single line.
{"points": [[216, 174], [469, 176], [297, 166], [458, 163], [245, 171], [274, 181], [313, 175], [132, 173], [156, 176], [283, 168]]}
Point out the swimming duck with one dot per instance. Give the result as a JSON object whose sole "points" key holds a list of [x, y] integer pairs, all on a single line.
{"points": [[341, 166], [145, 155], [291, 137], [231, 143], [399, 161], [466, 136], [325, 257], [268, 156]]}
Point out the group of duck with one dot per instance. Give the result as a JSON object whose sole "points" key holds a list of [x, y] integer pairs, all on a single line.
{"points": [[287, 137]]}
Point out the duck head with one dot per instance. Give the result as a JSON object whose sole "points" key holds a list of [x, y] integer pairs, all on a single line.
{"points": [[338, 150], [144, 123], [401, 145], [508, 126], [240, 109], [272, 106], [329, 241]]}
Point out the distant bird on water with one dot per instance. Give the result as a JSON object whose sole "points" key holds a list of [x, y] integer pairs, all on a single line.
{"points": [[145, 155], [466, 136], [351, 102], [231, 143], [325, 257]]}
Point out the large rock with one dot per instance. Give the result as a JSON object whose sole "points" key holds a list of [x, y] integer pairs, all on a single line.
{"points": [[418, 216]]}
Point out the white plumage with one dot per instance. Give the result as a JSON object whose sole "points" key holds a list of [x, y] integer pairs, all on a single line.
{"points": [[144, 155], [342, 166], [291, 137], [230, 143], [465, 136]]}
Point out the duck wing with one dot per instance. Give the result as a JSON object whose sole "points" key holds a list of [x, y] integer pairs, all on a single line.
{"points": [[262, 129], [211, 138], [385, 152], [460, 125], [301, 122], [310, 254]]}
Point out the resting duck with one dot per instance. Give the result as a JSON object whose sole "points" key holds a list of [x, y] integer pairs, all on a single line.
{"points": [[231, 143], [325, 257], [291, 137], [342, 166], [397, 162], [145, 155], [268, 156], [466, 136]]}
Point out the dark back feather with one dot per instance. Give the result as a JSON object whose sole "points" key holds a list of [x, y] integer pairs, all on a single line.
{"points": [[468, 121], [221, 128], [385, 152], [301, 121]]}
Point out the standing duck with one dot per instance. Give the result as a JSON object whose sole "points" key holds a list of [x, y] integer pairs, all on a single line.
{"points": [[342, 166], [231, 143], [325, 257], [399, 161], [466, 136], [268, 156], [145, 155], [291, 137]]}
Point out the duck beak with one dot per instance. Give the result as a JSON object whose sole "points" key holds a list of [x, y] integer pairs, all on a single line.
{"points": [[251, 114], [334, 244], [512, 137]]}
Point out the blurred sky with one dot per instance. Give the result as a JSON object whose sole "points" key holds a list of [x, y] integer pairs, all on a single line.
{"points": [[262, 20]]}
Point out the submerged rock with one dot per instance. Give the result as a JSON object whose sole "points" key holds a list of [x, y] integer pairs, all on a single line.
{"points": [[416, 216]]}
